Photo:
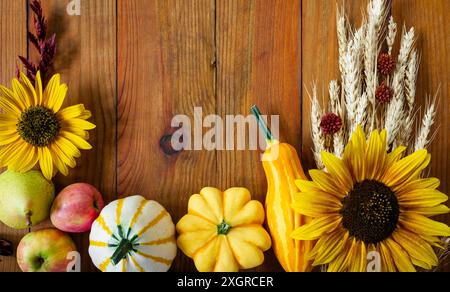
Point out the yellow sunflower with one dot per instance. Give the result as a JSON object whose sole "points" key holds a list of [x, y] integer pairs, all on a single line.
{"points": [[33, 128], [372, 201]]}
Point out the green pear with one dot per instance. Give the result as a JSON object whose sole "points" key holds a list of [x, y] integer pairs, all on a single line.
{"points": [[25, 199]]}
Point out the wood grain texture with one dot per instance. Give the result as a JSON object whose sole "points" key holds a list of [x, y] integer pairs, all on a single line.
{"points": [[433, 31], [86, 60], [258, 62], [166, 52], [14, 42]]}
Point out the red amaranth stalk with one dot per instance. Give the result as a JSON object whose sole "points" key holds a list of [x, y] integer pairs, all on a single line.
{"points": [[46, 47]]}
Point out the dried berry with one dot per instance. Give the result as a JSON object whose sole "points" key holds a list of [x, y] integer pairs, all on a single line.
{"points": [[386, 64], [331, 124], [384, 94]]}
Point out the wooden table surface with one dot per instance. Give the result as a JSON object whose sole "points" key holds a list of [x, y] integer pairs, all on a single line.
{"points": [[137, 63]]}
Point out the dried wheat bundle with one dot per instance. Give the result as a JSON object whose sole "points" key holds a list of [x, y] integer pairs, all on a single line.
{"points": [[377, 90]]}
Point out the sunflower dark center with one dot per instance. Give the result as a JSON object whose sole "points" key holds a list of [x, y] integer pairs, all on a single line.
{"points": [[38, 126], [370, 212]]}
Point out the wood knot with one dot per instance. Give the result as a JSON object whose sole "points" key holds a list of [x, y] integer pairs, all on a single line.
{"points": [[165, 143]]}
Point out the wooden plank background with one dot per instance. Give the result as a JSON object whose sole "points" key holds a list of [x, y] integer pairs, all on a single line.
{"points": [[137, 63]]}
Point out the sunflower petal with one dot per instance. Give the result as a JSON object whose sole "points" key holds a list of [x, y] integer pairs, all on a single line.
{"points": [[45, 161], [422, 198], [339, 264], [20, 93], [79, 123], [71, 112], [375, 157], [423, 225], [401, 258], [354, 154], [58, 161], [6, 153], [17, 156], [386, 258], [333, 245], [6, 139], [429, 212], [316, 204], [60, 97], [85, 115], [9, 107], [404, 169], [316, 228], [51, 91], [8, 94], [415, 247], [32, 159], [31, 92], [325, 182], [394, 156], [76, 140], [337, 168], [426, 183], [359, 262], [38, 88]]}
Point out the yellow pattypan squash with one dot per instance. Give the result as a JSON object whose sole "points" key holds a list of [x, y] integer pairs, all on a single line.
{"points": [[223, 232]]}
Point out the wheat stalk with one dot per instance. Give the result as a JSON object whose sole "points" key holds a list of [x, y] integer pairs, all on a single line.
{"points": [[406, 47], [342, 38], [361, 112], [411, 79], [423, 137], [335, 103], [336, 108], [376, 16], [392, 33], [394, 112], [406, 128], [352, 77], [318, 136]]}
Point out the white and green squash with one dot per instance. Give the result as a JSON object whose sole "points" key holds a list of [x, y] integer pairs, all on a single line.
{"points": [[133, 235]]}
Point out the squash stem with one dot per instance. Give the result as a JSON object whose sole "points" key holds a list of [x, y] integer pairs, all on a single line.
{"points": [[262, 124], [124, 248]]}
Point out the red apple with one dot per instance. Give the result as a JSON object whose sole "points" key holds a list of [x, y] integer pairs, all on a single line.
{"points": [[45, 251], [76, 208]]}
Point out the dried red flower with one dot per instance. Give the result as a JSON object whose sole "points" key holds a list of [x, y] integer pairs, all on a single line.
{"points": [[45, 46], [386, 64], [384, 93], [331, 124]]}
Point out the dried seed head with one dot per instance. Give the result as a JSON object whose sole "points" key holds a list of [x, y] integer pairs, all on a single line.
{"points": [[384, 94], [371, 212], [38, 126], [331, 124], [386, 64]]}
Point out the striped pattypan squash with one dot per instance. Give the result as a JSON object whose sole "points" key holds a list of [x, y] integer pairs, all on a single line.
{"points": [[223, 232], [133, 235]]}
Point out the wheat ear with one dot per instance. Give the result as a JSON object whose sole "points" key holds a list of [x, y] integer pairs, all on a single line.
{"points": [[392, 33], [318, 136], [423, 138], [336, 108]]}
